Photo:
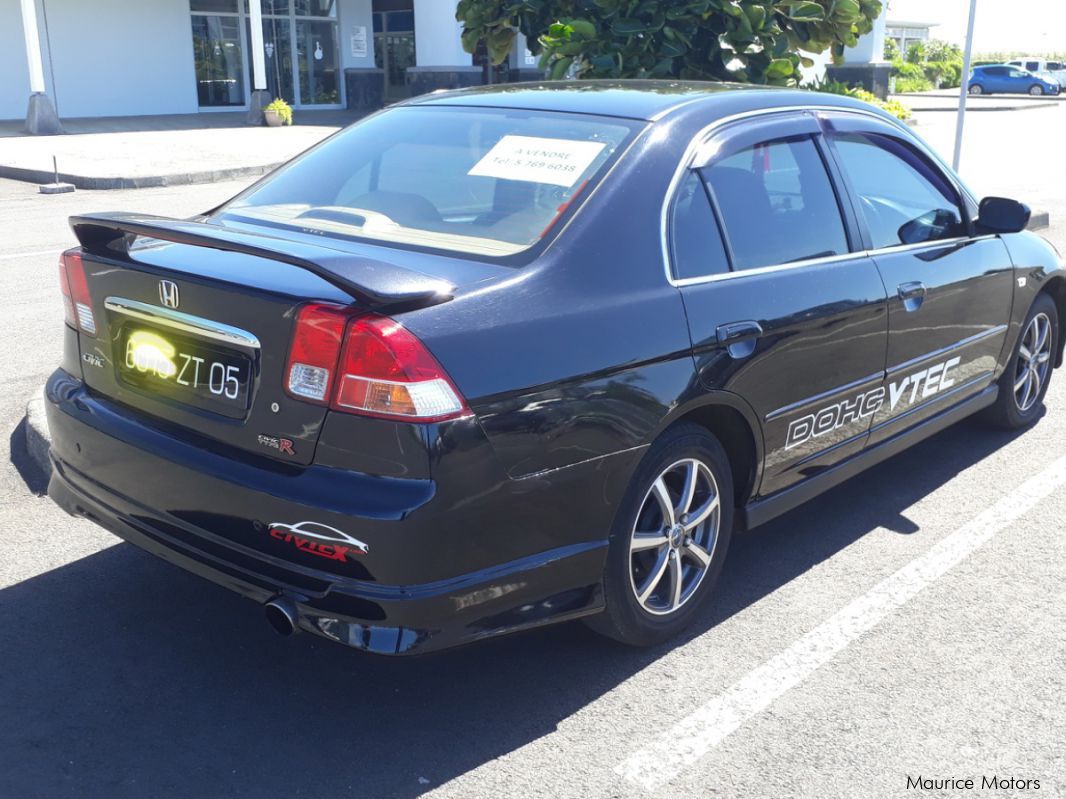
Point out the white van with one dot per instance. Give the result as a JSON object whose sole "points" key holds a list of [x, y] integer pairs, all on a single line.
{"points": [[1050, 69]]}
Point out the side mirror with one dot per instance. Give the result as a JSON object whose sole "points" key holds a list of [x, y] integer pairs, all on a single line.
{"points": [[1000, 215]]}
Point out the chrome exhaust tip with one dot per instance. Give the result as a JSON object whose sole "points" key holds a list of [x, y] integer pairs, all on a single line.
{"points": [[281, 615]]}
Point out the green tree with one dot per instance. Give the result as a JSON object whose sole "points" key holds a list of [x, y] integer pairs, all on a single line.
{"points": [[916, 53], [892, 53], [939, 50], [756, 41]]}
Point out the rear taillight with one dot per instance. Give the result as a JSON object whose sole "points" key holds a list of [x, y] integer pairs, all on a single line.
{"points": [[77, 302], [369, 365], [316, 345], [386, 371]]}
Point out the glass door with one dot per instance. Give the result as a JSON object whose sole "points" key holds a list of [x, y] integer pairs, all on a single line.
{"points": [[394, 45], [317, 57], [301, 51], [277, 55], [217, 53]]}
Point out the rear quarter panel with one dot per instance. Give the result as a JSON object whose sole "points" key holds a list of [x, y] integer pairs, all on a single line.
{"points": [[582, 353]]}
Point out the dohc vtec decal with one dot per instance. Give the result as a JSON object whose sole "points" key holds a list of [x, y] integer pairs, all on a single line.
{"points": [[922, 384], [318, 539]]}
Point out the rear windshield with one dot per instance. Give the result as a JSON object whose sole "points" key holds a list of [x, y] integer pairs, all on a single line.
{"points": [[481, 181]]}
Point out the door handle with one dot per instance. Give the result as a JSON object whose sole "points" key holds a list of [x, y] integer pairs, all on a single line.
{"points": [[912, 294], [739, 338]]}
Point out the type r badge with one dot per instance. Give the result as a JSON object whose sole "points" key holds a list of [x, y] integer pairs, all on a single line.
{"points": [[282, 445]]}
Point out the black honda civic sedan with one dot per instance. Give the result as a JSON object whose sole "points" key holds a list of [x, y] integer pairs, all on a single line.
{"points": [[496, 358]]}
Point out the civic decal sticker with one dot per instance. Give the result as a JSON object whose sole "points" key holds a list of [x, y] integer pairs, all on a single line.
{"points": [[318, 539], [922, 385]]}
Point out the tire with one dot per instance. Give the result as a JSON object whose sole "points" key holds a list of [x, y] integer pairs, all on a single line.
{"points": [[1024, 382], [1036, 91], [687, 558], [977, 89]]}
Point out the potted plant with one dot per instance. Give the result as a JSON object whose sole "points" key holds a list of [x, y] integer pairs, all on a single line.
{"points": [[277, 113]]}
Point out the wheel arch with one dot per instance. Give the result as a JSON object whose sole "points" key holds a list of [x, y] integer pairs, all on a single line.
{"points": [[734, 423], [1056, 289]]}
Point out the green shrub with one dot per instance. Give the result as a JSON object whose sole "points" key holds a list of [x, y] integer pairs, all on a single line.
{"points": [[281, 108], [894, 107], [753, 41], [912, 85], [911, 71]]}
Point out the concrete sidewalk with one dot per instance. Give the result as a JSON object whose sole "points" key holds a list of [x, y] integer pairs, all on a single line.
{"points": [[139, 152]]}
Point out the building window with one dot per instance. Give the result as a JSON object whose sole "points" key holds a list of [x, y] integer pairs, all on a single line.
{"points": [[217, 53]]}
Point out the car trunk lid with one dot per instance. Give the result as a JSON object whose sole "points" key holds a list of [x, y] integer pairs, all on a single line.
{"points": [[194, 324]]}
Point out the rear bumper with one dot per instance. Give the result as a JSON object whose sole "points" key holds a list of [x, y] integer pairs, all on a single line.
{"points": [[209, 512]]}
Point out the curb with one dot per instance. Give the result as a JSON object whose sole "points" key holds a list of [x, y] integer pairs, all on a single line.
{"points": [[977, 110], [38, 438], [40, 176]]}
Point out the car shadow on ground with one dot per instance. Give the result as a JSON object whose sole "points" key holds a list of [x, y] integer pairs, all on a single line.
{"points": [[122, 676]]}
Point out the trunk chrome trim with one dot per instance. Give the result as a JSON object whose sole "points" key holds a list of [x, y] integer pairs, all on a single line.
{"points": [[186, 323]]}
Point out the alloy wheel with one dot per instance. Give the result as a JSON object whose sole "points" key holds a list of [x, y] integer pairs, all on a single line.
{"points": [[674, 537], [1034, 363]]}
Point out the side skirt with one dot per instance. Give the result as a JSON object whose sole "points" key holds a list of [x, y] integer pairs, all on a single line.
{"points": [[763, 510]]}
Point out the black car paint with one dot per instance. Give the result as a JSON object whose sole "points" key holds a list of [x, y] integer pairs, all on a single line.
{"points": [[572, 365]]}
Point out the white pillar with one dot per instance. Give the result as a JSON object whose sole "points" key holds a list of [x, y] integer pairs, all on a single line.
{"points": [[255, 19], [41, 117], [441, 62], [437, 35], [870, 48], [33, 46]]}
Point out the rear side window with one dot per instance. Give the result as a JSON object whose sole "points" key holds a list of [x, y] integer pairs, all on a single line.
{"points": [[697, 242], [903, 198], [777, 204], [1032, 66]]}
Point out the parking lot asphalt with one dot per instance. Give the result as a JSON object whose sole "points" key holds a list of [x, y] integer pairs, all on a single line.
{"points": [[909, 624]]}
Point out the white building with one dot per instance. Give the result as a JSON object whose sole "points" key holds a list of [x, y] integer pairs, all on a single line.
{"points": [[904, 34], [117, 57]]}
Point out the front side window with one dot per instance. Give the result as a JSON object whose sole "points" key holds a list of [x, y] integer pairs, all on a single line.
{"points": [[481, 181], [903, 198], [777, 204]]}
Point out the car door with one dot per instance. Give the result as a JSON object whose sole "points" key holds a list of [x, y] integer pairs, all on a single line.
{"points": [[949, 291], [1019, 80], [783, 307], [995, 79]]}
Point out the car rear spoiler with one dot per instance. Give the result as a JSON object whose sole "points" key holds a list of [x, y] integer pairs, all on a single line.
{"points": [[372, 283]]}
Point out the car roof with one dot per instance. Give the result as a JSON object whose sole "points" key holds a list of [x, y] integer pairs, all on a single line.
{"points": [[634, 99]]}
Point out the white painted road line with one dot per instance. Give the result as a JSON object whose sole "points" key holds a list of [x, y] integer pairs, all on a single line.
{"points": [[694, 736]]}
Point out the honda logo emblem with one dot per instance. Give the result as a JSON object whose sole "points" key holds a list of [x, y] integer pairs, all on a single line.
{"points": [[168, 293]]}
